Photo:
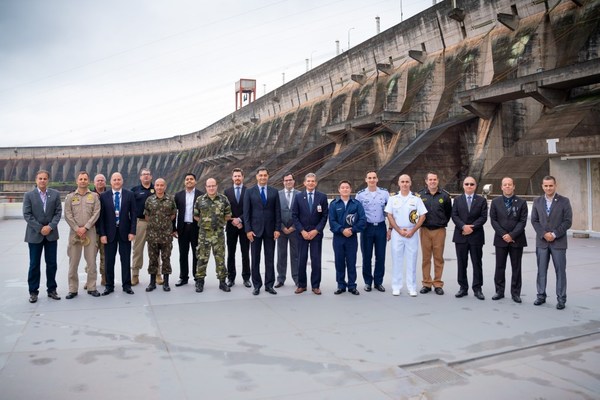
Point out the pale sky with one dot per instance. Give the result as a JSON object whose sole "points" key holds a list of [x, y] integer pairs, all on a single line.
{"points": [[106, 71]]}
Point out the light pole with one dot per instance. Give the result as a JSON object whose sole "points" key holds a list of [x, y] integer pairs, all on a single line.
{"points": [[349, 38]]}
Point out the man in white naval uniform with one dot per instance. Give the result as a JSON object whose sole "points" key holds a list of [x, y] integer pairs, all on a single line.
{"points": [[406, 213]]}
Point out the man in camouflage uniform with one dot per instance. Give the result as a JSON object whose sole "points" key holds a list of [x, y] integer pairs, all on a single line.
{"points": [[212, 211], [160, 211], [82, 209]]}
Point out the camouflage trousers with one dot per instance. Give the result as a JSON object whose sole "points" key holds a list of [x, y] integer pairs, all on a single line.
{"points": [[216, 242], [162, 251]]}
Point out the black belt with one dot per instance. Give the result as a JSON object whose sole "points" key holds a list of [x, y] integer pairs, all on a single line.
{"points": [[375, 223]]}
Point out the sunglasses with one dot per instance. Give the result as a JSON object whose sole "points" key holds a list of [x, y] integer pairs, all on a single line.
{"points": [[469, 184]]}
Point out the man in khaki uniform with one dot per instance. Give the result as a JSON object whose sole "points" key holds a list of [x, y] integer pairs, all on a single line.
{"points": [[99, 188], [82, 209]]}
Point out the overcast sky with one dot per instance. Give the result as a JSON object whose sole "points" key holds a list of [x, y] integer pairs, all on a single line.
{"points": [[104, 71]]}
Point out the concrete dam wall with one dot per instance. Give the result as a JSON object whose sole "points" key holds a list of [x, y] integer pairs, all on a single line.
{"points": [[471, 88]]}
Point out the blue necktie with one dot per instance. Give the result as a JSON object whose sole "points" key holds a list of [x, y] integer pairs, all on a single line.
{"points": [[237, 194], [117, 206], [310, 201], [263, 196], [469, 200]]}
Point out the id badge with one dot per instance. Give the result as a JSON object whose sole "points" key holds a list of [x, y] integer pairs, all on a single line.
{"points": [[319, 208]]}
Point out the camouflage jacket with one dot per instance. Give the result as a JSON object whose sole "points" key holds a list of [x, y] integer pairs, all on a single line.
{"points": [[159, 214], [212, 213]]}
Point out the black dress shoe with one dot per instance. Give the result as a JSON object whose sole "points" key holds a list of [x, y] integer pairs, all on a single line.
{"points": [[367, 288], [256, 291], [339, 291], [354, 291], [380, 288], [181, 282], [516, 298], [278, 285], [224, 286], [94, 293], [230, 283], [461, 293], [439, 290], [498, 296], [107, 292], [271, 290], [425, 289], [560, 306], [539, 302], [33, 297], [128, 291], [53, 295], [247, 283], [70, 295], [479, 295]]}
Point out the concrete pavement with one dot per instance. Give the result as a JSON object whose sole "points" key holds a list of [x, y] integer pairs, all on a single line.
{"points": [[216, 345]]}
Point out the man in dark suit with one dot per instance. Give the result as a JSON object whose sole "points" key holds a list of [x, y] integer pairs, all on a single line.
{"points": [[310, 211], [287, 233], [551, 217], [118, 222], [42, 210], [508, 215], [187, 228], [262, 221], [469, 214], [235, 229]]}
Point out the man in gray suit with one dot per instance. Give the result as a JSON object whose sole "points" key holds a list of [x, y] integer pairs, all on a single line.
{"points": [[42, 210], [287, 235], [551, 217]]}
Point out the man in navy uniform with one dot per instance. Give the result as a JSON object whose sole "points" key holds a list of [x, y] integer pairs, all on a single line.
{"points": [[375, 236], [346, 219]]}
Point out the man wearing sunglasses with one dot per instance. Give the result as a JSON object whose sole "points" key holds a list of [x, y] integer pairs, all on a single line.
{"points": [[469, 214]]}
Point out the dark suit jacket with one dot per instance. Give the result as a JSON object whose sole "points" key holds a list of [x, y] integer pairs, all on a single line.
{"points": [[127, 216], [180, 203], [559, 221], [477, 217], [37, 218], [261, 219], [512, 221], [237, 209], [307, 220]]}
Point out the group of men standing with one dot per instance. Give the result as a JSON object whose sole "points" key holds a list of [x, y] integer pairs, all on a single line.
{"points": [[261, 218]]}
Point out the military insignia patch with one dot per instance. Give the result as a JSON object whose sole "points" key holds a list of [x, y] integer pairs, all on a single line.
{"points": [[413, 217]]}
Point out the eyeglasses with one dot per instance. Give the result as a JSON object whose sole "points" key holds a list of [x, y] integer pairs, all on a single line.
{"points": [[469, 184]]}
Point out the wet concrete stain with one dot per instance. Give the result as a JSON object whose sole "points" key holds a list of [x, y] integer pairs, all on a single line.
{"points": [[42, 361]]}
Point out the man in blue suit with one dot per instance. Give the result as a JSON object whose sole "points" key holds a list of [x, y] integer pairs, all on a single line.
{"points": [[551, 217], [117, 227], [469, 214], [262, 221], [42, 210], [310, 212]]}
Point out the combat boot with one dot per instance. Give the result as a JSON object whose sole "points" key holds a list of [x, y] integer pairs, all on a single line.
{"points": [[223, 286], [200, 285], [166, 286], [152, 284]]}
